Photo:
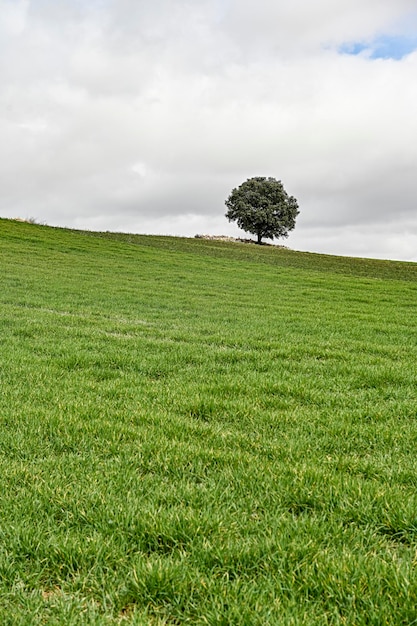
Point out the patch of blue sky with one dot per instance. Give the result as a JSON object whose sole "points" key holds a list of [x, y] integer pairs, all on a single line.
{"points": [[383, 47]]}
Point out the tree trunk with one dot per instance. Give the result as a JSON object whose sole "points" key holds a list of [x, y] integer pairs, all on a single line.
{"points": [[259, 238]]}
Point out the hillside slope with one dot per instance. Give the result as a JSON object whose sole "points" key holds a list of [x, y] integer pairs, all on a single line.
{"points": [[203, 432]]}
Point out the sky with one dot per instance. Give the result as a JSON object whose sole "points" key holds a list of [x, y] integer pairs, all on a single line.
{"points": [[142, 116]]}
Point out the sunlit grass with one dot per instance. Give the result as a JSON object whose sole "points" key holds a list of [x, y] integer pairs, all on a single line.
{"points": [[206, 433]]}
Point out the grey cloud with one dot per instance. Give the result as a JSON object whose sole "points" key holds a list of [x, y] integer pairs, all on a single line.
{"points": [[139, 115], [299, 26]]}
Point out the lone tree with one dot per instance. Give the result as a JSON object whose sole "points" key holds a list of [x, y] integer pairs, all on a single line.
{"points": [[261, 206]]}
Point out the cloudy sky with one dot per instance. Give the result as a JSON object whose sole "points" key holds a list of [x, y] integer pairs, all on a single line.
{"points": [[142, 115]]}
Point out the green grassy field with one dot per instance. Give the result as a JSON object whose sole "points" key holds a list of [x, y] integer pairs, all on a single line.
{"points": [[205, 433]]}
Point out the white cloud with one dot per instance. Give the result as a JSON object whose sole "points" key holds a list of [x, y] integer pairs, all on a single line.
{"points": [[143, 116]]}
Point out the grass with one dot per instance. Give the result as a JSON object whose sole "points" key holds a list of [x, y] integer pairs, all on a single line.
{"points": [[205, 433]]}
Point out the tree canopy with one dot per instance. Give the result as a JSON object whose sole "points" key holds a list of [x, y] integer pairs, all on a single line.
{"points": [[261, 206]]}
